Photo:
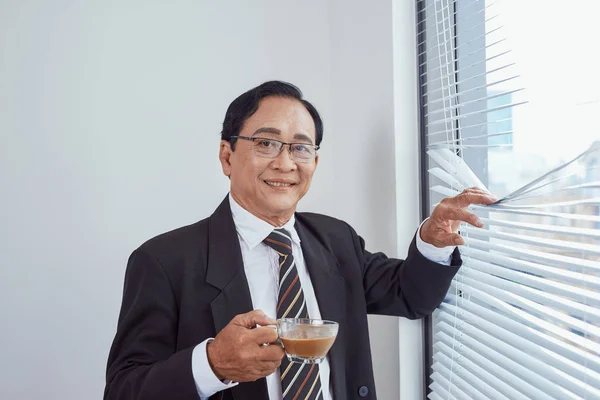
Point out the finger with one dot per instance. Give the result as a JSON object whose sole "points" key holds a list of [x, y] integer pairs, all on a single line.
{"points": [[263, 334], [449, 239], [267, 371], [253, 318], [475, 189], [457, 214], [271, 353], [478, 190], [465, 199], [269, 365]]}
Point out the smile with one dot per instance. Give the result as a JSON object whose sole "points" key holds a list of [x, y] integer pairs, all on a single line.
{"points": [[279, 184]]}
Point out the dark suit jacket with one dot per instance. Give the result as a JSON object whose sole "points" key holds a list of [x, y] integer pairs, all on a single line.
{"points": [[186, 285]]}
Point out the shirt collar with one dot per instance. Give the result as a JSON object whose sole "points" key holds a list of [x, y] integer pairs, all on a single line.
{"points": [[254, 230]]}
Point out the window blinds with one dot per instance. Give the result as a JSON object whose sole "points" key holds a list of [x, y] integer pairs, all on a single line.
{"points": [[522, 317]]}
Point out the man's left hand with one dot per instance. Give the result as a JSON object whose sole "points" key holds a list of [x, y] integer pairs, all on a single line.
{"points": [[441, 228]]}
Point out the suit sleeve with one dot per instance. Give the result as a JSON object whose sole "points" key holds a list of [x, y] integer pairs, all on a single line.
{"points": [[143, 363], [411, 288]]}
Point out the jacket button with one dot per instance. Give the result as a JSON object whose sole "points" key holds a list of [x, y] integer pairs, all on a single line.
{"points": [[363, 391]]}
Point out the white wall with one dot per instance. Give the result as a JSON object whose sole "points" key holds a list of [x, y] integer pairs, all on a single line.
{"points": [[363, 122], [109, 120]]}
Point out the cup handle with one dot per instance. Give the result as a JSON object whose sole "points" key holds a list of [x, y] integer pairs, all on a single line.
{"points": [[276, 327]]}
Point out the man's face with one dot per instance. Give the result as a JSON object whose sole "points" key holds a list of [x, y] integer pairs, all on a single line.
{"points": [[270, 188]]}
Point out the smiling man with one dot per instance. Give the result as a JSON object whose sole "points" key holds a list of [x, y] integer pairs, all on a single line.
{"points": [[196, 300]]}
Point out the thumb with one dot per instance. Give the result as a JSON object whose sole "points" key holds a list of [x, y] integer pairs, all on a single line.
{"points": [[253, 318]]}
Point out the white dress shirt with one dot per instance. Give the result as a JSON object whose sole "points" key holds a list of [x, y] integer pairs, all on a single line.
{"points": [[261, 266]]}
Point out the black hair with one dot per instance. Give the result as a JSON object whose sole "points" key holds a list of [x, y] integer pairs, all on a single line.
{"points": [[246, 104]]}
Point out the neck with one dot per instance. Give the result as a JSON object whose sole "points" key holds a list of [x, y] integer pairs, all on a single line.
{"points": [[276, 220]]}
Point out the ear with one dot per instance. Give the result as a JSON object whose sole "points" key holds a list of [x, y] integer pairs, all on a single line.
{"points": [[225, 153], [316, 160]]}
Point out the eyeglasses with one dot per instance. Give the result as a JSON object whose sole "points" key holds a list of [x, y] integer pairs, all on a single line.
{"points": [[271, 148]]}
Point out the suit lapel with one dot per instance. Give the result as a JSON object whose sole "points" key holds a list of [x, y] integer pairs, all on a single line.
{"points": [[225, 271], [329, 288]]}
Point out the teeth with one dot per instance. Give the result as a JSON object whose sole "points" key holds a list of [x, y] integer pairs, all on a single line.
{"points": [[277, 184]]}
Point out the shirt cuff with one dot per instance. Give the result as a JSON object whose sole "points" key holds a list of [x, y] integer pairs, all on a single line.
{"points": [[440, 255], [207, 383]]}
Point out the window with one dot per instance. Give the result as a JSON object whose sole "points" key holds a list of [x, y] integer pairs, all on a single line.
{"points": [[510, 89]]}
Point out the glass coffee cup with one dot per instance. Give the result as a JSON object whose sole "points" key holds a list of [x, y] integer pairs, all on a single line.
{"points": [[306, 341]]}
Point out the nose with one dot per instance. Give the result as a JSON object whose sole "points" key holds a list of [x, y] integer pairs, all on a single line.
{"points": [[284, 160]]}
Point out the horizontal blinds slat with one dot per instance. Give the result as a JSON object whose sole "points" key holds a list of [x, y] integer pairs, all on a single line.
{"points": [[475, 314], [478, 146], [446, 18], [527, 317], [569, 203], [556, 273], [450, 387], [524, 209], [475, 125], [577, 293], [480, 361], [566, 216], [433, 6], [430, 71], [524, 379], [444, 191], [536, 191], [460, 369], [472, 363], [440, 390], [478, 88], [486, 283], [446, 177], [589, 185], [449, 106], [553, 181], [582, 249], [556, 260], [434, 396], [456, 142], [443, 109], [538, 181], [521, 351], [460, 117], [528, 293], [458, 381], [455, 166], [566, 230], [447, 54]]}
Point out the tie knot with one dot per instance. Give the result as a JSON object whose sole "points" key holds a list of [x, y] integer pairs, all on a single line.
{"points": [[280, 241]]}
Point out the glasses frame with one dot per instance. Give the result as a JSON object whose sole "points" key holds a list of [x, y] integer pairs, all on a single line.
{"points": [[283, 144]]}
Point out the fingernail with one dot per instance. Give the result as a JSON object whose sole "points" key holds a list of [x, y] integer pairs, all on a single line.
{"points": [[479, 223], [457, 241]]}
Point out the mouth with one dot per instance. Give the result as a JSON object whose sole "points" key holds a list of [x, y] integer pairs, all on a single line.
{"points": [[280, 184]]}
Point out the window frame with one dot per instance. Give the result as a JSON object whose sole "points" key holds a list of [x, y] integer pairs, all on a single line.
{"points": [[477, 159]]}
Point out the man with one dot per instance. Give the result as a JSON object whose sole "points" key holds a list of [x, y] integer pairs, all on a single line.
{"points": [[196, 300]]}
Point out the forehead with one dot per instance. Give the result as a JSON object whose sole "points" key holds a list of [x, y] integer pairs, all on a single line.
{"points": [[288, 115]]}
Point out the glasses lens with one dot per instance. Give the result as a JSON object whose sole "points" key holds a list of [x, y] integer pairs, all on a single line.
{"points": [[267, 148], [303, 152], [271, 148]]}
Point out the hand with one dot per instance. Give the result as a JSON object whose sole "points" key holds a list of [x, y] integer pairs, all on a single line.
{"points": [[440, 229], [238, 352]]}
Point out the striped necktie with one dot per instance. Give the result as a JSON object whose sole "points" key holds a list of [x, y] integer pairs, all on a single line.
{"points": [[298, 381]]}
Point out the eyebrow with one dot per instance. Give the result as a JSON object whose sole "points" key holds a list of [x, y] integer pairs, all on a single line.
{"points": [[275, 131]]}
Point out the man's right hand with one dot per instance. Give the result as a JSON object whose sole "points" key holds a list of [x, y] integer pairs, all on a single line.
{"points": [[238, 352]]}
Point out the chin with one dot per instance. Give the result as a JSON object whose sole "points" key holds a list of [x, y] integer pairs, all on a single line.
{"points": [[282, 207]]}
